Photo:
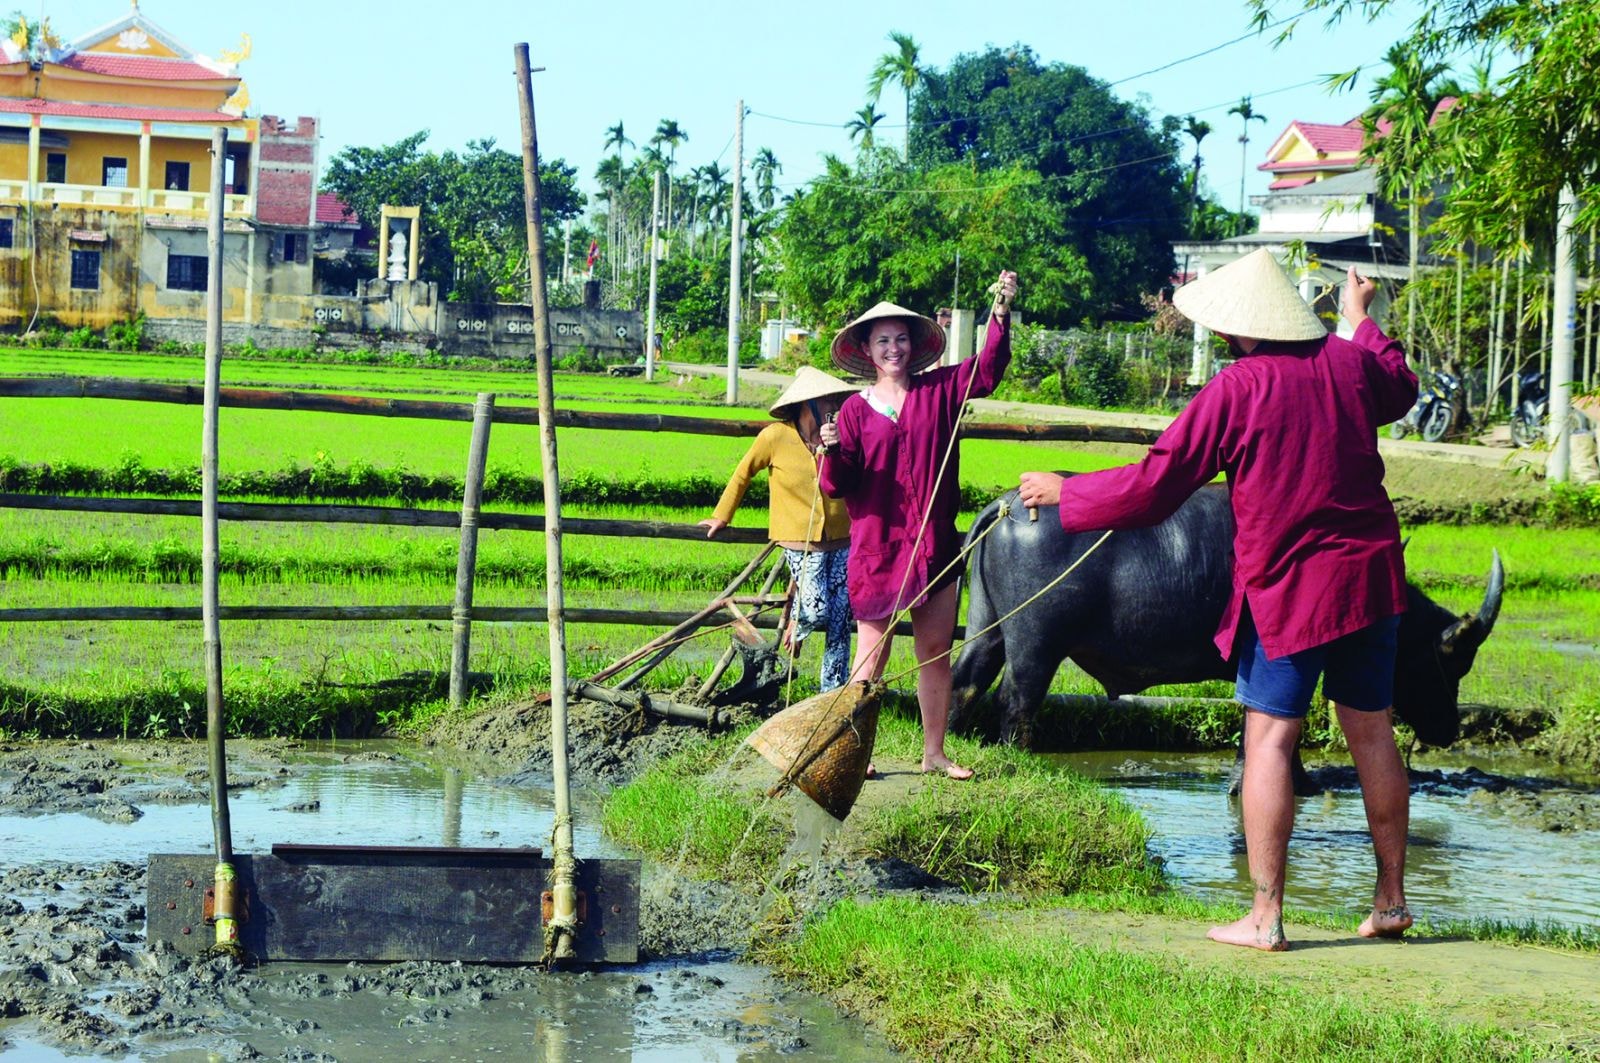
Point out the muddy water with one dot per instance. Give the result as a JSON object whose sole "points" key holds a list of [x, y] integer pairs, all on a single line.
{"points": [[1506, 845], [131, 1003]]}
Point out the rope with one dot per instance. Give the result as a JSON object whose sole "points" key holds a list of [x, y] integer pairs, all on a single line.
{"points": [[1025, 603]]}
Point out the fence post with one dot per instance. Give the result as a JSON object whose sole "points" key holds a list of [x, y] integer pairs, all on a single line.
{"points": [[467, 556]]}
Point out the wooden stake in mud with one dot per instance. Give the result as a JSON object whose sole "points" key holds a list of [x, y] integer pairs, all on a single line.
{"points": [[467, 556], [561, 929], [224, 906]]}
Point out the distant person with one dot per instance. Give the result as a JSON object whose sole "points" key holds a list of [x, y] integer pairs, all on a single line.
{"points": [[813, 529], [1318, 574], [886, 459], [942, 317]]}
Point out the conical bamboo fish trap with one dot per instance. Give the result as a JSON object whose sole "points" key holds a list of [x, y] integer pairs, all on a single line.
{"points": [[823, 745]]}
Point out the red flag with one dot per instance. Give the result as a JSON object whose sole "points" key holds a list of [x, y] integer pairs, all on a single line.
{"points": [[594, 253]]}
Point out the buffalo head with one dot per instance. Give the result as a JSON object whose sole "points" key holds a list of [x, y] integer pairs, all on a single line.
{"points": [[1436, 649]]}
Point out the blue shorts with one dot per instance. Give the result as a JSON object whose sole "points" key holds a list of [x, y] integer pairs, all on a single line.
{"points": [[1357, 670]]}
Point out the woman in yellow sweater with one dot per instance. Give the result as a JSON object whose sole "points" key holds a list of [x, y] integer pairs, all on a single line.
{"points": [[813, 530]]}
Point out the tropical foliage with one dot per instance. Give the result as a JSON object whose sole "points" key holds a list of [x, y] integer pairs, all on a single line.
{"points": [[474, 232]]}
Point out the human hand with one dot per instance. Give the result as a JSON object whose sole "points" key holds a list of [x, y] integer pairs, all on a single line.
{"points": [[1004, 291], [829, 432], [712, 526], [1040, 489], [1359, 292]]}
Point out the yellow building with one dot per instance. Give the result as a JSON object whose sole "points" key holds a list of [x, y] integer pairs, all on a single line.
{"points": [[105, 171]]}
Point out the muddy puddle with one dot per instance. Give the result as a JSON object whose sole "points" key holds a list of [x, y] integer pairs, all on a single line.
{"points": [[1494, 839], [77, 822]]}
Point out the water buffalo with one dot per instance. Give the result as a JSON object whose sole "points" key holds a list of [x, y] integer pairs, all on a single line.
{"points": [[1143, 609]]}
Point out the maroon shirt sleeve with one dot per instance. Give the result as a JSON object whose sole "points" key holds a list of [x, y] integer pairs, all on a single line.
{"points": [[1184, 459], [840, 471], [984, 371], [1394, 385]]}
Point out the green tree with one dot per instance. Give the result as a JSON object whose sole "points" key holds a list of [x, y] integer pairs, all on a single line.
{"points": [[860, 127], [1399, 139], [474, 235], [765, 167], [1199, 131], [1111, 176], [882, 230], [670, 133], [1247, 114], [899, 66]]}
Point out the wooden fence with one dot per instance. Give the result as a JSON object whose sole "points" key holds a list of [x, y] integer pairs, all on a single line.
{"points": [[469, 519]]}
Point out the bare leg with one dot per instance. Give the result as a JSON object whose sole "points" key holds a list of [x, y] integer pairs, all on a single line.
{"points": [[932, 627], [1268, 799], [873, 640], [1386, 791]]}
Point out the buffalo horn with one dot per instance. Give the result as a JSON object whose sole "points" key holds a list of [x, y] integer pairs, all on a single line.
{"points": [[1473, 628]]}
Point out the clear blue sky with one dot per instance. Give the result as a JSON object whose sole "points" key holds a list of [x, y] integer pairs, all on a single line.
{"points": [[373, 72]]}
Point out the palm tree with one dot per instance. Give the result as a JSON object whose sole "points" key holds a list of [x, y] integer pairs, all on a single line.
{"points": [[1247, 114], [861, 126], [1398, 127], [714, 179], [615, 138], [765, 166], [1199, 131], [670, 133], [900, 67]]}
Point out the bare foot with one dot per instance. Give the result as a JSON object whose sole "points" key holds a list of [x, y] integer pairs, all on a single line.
{"points": [[872, 770], [1391, 922], [1268, 937], [950, 768]]}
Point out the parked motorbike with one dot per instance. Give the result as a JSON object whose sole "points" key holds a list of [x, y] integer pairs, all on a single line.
{"points": [[1435, 410], [1530, 420]]}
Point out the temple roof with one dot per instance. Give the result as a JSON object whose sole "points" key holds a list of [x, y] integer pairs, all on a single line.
{"points": [[13, 105], [154, 68]]}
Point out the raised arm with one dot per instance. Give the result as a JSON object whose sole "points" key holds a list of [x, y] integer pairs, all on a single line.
{"points": [[1394, 385], [978, 377]]}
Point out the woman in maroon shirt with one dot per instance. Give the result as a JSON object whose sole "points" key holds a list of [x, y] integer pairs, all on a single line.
{"points": [[887, 459], [1318, 575]]}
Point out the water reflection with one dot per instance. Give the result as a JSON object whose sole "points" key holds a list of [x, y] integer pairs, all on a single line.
{"points": [[1463, 861]]}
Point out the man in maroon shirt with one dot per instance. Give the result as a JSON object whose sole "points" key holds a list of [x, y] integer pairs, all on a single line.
{"points": [[1318, 575]]}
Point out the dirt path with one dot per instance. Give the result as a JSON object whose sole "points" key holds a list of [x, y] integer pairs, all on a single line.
{"points": [[1539, 992]]}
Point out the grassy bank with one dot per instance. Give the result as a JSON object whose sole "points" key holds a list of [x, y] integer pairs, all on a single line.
{"points": [[957, 981]]}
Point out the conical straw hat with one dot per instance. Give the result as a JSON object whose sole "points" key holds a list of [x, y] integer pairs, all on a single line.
{"points": [[809, 383], [927, 340], [823, 745], [1251, 297]]}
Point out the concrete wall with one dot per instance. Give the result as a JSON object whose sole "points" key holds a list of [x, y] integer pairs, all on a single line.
{"points": [[119, 267], [505, 330]]}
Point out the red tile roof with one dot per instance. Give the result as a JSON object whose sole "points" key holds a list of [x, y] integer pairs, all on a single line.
{"points": [[1333, 139], [1288, 182], [142, 66], [331, 210], [10, 105]]}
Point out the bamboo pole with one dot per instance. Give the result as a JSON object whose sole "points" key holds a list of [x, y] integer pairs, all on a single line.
{"points": [[562, 928], [467, 554], [223, 905], [392, 516], [480, 613], [728, 654]]}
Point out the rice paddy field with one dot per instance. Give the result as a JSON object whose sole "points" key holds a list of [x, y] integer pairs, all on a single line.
{"points": [[310, 677]]}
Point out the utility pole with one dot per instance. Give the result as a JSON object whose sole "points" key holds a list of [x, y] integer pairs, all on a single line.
{"points": [[737, 235], [655, 257], [1566, 306]]}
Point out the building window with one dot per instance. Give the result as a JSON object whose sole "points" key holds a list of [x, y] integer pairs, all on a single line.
{"points": [[186, 273], [177, 177], [86, 270], [8, 232], [114, 172], [294, 247], [55, 168]]}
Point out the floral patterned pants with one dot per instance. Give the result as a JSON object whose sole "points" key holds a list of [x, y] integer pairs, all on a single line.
{"points": [[821, 603]]}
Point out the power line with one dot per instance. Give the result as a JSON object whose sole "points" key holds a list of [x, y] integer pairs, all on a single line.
{"points": [[1200, 55]]}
